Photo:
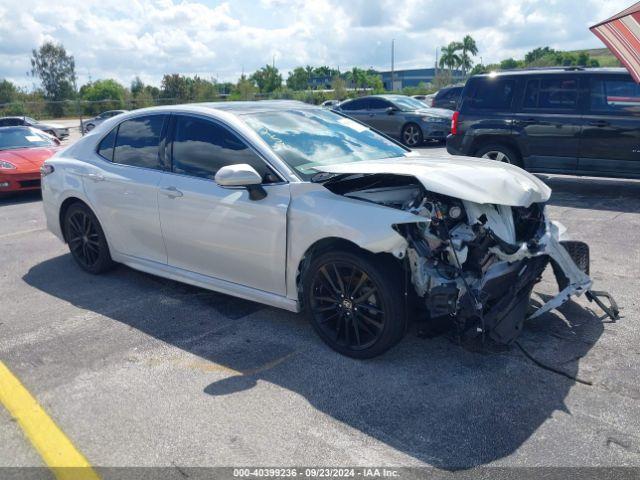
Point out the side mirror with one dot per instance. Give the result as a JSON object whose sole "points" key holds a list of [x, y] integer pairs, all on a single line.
{"points": [[241, 175], [391, 110]]}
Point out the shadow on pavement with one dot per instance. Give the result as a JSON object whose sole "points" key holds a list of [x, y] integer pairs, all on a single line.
{"points": [[594, 193], [430, 399], [19, 198]]}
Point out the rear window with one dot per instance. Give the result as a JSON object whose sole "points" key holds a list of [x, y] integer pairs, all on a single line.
{"points": [[615, 96], [138, 142], [105, 147], [492, 94], [551, 94]]}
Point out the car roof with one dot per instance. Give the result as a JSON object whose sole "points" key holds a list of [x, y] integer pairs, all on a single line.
{"points": [[242, 107], [558, 70]]}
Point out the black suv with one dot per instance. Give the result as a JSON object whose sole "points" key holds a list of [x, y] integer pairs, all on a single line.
{"points": [[447, 98], [572, 121]]}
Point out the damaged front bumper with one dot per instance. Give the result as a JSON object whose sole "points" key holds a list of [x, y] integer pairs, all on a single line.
{"points": [[494, 299]]}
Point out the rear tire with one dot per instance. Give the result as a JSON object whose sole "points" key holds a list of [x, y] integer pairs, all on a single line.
{"points": [[354, 302], [499, 153], [86, 239]]}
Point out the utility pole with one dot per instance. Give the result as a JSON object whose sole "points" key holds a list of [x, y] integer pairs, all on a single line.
{"points": [[393, 83]]}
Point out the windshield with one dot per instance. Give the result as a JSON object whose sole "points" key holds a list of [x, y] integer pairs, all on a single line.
{"points": [[407, 103], [30, 120], [305, 139], [19, 137]]}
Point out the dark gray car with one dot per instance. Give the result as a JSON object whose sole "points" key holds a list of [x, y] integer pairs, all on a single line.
{"points": [[401, 117]]}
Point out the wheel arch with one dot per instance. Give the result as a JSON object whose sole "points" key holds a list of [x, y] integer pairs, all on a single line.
{"points": [[484, 140], [328, 244]]}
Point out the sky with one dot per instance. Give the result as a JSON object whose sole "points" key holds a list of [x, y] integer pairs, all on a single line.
{"points": [[123, 39]]}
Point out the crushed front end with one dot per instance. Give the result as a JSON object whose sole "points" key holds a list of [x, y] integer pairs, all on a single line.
{"points": [[477, 264], [473, 265]]}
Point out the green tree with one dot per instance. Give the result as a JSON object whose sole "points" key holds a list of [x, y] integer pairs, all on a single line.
{"points": [[374, 81], [201, 90], [509, 64], [339, 87], [104, 94], [137, 87], [245, 89], [298, 79], [325, 71], [449, 57], [174, 87], [8, 91], [469, 49], [538, 53], [56, 71], [268, 79], [357, 77]]}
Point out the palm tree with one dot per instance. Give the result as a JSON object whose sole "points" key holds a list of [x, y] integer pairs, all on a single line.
{"points": [[469, 49], [449, 57]]}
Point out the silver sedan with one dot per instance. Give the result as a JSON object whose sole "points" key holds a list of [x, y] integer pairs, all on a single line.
{"points": [[304, 209]]}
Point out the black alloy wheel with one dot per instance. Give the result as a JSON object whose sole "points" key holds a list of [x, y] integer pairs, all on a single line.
{"points": [[355, 305], [86, 239]]}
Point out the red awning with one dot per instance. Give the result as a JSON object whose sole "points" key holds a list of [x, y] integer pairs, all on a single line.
{"points": [[621, 34]]}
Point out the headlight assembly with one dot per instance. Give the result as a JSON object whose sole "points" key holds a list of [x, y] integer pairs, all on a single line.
{"points": [[6, 165]]}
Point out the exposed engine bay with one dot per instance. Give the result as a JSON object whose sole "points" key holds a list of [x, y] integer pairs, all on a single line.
{"points": [[476, 264]]}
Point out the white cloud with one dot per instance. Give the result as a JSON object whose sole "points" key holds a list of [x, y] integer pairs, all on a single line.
{"points": [[125, 38]]}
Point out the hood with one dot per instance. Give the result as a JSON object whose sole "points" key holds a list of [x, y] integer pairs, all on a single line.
{"points": [[28, 159], [473, 179]]}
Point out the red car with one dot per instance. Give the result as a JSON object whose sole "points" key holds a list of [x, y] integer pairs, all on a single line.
{"points": [[23, 150]]}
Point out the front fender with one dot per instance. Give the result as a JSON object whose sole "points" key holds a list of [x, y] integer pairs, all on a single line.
{"points": [[316, 214]]}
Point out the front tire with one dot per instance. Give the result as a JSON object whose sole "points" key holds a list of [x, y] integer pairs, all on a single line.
{"points": [[354, 302], [86, 239], [412, 135]]}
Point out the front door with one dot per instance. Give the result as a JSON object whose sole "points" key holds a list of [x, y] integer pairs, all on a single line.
{"points": [[219, 231], [381, 119], [548, 123], [610, 141]]}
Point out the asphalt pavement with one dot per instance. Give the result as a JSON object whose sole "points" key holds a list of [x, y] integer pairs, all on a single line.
{"points": [[142, 371]]}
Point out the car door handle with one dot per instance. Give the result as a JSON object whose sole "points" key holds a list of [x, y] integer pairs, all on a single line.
{"points": [[96, 177], [171, 192], [599, 123]]}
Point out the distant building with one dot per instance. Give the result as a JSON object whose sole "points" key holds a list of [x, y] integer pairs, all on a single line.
{"points": [[412, 78]]}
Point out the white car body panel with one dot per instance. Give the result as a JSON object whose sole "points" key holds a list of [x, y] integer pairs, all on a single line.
{"points": [[476, 180], [230, 237]]}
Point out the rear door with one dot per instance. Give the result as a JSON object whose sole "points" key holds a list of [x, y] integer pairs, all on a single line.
{"points": [[548, 123], [357, 109], [610, 141], [123, 187]]}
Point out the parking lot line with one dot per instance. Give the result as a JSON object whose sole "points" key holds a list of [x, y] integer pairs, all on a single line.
{"points": [[55, 448]]}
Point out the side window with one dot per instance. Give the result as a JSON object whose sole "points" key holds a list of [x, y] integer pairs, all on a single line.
{"points": [[357, 104], [105, 147], [201, 148], [138, 141], [551, 94], [615, 96], [492, 94], [378, 104]]}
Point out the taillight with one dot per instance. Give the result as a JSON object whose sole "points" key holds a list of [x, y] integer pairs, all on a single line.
{"points": [[454, 123]]}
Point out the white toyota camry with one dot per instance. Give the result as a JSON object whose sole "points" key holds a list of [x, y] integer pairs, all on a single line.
{"points": [[302, 208]]}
